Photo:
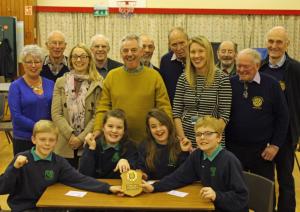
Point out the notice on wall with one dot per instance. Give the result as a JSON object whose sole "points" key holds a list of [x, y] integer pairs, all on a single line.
{"points": [[28, 10]]}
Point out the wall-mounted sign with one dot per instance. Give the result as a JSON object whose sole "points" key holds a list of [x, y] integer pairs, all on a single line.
{"points": [[28, 10]]}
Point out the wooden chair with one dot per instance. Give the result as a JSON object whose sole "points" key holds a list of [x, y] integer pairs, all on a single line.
{"points": [[261, 191]]}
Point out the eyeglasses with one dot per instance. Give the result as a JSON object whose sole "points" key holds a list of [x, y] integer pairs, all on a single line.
{"points": [[100, 46], [205, 134], [31, 63], [245, 92], [82, 57], [56, 43]]}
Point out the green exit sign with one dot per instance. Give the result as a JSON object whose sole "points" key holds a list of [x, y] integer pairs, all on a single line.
{"points": [[101, 12]]}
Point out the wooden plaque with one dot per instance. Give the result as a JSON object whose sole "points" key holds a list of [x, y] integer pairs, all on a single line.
{"points": [[131, 182]]}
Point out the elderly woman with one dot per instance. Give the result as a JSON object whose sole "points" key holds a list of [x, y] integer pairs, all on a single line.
{"points": [[201, 90], [29, 98], [74, 100]]}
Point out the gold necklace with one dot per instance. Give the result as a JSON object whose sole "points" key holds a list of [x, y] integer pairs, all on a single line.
{"points": [[35, 88]]}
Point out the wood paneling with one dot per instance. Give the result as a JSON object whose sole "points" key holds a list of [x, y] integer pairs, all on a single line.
{"points": [[17, 8]]}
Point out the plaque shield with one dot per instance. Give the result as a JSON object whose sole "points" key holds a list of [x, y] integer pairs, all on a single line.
{"points": [[131, 182]]}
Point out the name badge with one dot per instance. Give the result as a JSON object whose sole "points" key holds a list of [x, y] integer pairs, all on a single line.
{"points": [[194, 119]]}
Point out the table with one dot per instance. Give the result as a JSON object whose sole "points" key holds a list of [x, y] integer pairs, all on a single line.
{"points": [[54, 196]]}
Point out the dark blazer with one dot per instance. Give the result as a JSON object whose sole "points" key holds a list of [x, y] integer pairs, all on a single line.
{"points": [[111, 64], [292, 78]]}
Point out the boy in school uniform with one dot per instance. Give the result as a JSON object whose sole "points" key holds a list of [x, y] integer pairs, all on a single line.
{"points": [[32, 171], [219, 171]]}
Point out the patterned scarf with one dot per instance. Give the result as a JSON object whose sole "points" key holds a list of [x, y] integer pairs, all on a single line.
{"points": [[76, 100]]}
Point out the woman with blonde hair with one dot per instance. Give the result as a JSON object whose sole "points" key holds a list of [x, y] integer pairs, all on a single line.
{"points": [[74, 99], [201, 90]]}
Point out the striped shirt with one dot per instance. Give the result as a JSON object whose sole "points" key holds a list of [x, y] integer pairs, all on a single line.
{"points": [[214, 100]]}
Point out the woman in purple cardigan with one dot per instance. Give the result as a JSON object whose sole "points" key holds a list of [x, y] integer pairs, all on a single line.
{"points": [[29, 98]]}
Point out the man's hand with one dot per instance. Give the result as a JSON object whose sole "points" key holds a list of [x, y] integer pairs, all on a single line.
{"points": [[74, 142], [122, 166], [208, 193], [270, 152], [147, 188], [20, 161]]}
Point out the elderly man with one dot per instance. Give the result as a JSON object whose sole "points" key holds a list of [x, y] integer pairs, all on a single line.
{"points": [[287, 71], [100, 48], [227, 51], [134, 88], [172, 63], [148, 48], [55, 63], [259, 116]]}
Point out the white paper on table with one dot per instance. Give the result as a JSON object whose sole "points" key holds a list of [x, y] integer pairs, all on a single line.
{"points": [[177, 193], [76, 193]]}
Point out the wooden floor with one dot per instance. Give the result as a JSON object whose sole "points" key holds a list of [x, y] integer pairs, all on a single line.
{"points": [[6, 157]]}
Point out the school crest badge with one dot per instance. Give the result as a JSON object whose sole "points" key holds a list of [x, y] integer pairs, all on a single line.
{"points": [[49, 174], [257, 102]]}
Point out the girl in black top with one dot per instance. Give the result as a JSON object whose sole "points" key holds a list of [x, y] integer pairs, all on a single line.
{"points": [[112, 153], [161, 153]]}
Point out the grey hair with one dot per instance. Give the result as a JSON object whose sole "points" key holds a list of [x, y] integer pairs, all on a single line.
{"points": [[131, 37], [99, 36], [179, 29], [56, 32], [280, 29], [252, 52], [146, 36], [233, 44], [33, 50]]}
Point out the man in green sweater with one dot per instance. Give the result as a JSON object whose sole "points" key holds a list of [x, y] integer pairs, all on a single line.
{"points": [[134, 88]]}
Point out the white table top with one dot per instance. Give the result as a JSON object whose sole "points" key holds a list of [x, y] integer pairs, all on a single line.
{"points": [[4, 86]]}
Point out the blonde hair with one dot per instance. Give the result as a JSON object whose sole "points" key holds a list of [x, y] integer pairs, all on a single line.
{"points": [[45, 126], [190, 71], [93, 73], [209, 121]]}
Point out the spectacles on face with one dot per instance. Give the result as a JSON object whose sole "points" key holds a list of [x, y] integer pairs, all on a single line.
{"points": [[57, 43], [205, 134], [100, 47], [31, 63], [82, 57]]}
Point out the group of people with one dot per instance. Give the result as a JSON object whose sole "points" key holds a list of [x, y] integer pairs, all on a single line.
{"points": [[112, 117]]}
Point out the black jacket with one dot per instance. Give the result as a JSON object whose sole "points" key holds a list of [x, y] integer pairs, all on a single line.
{"points": [[292, 92], [6, 60]]}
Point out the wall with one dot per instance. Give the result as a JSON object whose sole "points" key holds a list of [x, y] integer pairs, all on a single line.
{"points": [[204, 4], [17, 8]]}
